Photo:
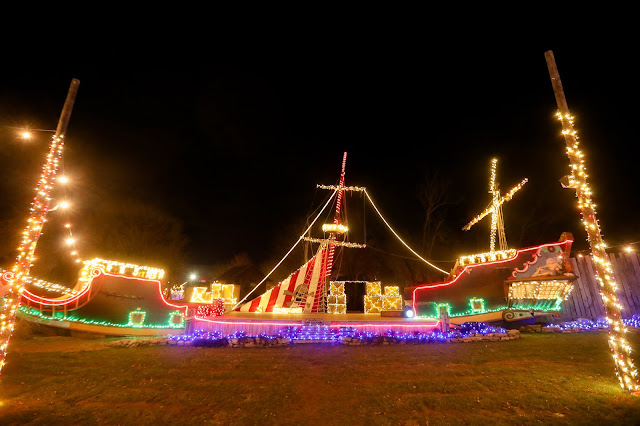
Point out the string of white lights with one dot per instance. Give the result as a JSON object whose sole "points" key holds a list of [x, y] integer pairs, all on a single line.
{"points": [[400, 239], [290, 250]]}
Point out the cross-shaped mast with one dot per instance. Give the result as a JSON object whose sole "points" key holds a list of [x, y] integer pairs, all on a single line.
{"points": [[495, 208]]}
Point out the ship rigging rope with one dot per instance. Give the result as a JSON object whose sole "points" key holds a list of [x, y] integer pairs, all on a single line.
{"points": [[289, 252], [398, 236]]}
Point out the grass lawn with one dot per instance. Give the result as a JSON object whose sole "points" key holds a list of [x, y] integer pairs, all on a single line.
{"points": [[538, 379]]}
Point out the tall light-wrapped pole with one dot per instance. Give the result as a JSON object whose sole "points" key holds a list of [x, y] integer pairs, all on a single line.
{"points": [[14, 280], [620, 348]]}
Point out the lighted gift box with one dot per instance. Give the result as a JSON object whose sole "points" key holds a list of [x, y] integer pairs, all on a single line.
{"points": [[336, 309], [374, 289], [372, 304], [392, 303], [336, 288], [392, 290], [337, 300]]}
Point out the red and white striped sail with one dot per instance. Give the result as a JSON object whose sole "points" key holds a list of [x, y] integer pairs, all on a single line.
{"points": [[310, 276]]}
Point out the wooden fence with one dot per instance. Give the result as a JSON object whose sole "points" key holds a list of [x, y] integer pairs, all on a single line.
{"points": [[585, 300]]}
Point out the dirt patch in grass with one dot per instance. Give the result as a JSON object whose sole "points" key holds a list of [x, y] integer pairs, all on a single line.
{"points": [[59, 344], [548, 379]]}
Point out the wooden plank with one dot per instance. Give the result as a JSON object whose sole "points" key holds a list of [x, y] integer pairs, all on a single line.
{"points": [[570, 302], [592, 284], [590, 270], [629, 281], [623, 293], [635, 261], [577, 295], [589, 291], [578, 283], [573, 299], [634, 271], [566, 309], [593, 288], [569, 306], [634, 307], [634, 274]]}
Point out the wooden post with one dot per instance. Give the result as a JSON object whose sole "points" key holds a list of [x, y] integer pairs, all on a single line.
{"points": [[63, 122], [444, 319], [625, 370]]}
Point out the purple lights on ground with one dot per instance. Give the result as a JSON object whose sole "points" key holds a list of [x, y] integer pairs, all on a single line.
{"points": [[324, 333]]}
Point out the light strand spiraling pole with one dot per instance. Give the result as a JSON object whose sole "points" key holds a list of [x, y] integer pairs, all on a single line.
{"points": [[14, 281], [620, 348]]}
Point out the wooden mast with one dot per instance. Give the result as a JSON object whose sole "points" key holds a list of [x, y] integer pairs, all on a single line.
{"points": [[37, 217], [319, 301], [625, 370]]}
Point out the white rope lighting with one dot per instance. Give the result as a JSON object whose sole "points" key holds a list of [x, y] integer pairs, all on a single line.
{"points": [[400, 239], [290, 250]]}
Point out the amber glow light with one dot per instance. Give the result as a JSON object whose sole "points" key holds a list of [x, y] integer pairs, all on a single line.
{"points": [[334, 227]]}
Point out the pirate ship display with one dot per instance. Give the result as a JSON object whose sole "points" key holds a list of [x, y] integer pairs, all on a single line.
{"points": [[123, 299], [505, 285]]}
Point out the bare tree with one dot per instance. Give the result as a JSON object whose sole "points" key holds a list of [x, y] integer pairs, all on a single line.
{"points": [[137, 232], [435, 196]]}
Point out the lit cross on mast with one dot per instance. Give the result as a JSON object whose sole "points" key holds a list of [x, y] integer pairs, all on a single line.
{"points": [[495, 208]]}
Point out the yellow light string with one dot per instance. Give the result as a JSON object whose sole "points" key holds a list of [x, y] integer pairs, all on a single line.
{"points": [[625, 369], [342, 188], [486, 257], [400, 239], [335, 191], [123, 268], [70, 238], [334, 242]]}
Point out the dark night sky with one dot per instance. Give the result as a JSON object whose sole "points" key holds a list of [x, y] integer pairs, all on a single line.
{"points": [[234, 148]]}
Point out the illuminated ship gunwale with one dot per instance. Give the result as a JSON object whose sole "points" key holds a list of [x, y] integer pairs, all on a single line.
{"points": [[531, 283], [110, 298]]}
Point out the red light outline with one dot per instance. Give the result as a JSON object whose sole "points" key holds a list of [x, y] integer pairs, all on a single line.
{"points": [[231, 322], [247, 323], [52, 302], [448, 283]]}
